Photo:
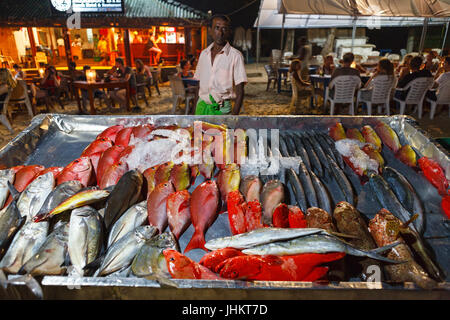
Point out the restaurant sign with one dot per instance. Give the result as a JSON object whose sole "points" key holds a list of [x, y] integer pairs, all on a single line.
{"points": [[92, 6]]}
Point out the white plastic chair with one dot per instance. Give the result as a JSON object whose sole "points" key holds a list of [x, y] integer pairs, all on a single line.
{"points": [[3, 116], [416, 94], [24, 99], [344, 91], [380, 89], [375, 53], [179, 93], [443, 98], [394, 57]]}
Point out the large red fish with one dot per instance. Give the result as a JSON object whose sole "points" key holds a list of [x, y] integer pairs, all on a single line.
{"points": [[95, 158], [98, 145], [236, 212], [113, 174], [110, 133], [108, 158], [142, 131], [204, 211], [179, 212], [296, 218], [123, 137], [213, 260], [280, 217], [80, 170], [275, 268], [24, 176], [181, 267], [157, 205]]}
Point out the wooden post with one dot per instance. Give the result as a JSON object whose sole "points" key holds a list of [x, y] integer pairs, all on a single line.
{"points": [[32, 44], [187, 41], [67, 46], [204, 37], [126, 43]]}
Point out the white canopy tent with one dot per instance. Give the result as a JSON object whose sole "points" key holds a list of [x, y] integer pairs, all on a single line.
{"points": [[276, 14]]}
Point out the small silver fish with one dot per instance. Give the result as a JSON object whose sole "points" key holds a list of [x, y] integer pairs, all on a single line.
{"points": [[50, 257], [25, 244], [131, 219], [120, 255], [34, 195]]}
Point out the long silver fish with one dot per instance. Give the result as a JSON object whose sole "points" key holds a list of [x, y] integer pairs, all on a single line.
{"points": [[5, 176], [24, 245], [84, 241], [62, 192], [122, 253], [259, 237], [131, 219], [10, 223], [33, 197], [50, 257], [150, 261], [317, 243]]}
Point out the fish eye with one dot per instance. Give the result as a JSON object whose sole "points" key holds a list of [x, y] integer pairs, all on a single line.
{"points": [[172, 259]]}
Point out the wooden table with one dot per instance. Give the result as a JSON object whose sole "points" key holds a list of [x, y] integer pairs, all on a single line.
{"points": [[91, 86]]}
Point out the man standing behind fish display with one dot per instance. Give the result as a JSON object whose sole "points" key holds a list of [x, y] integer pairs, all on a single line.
{"points": [[221, 72]]}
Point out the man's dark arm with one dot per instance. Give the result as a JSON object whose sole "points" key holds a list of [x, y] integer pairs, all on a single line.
{"points": [[239, 99]]}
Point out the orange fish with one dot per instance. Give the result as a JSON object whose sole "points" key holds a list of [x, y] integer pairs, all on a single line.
{"points": [[157, 205], [99, 145], [181, 267], [113, 174], [253, 216], [337, 132], [280, 216], [79, 169], [434, 174], [107, 159], [204, 206], [212, 260], [296, 218], [142, 131], [371, 137], [123, 137], [388, 136], [149, 175]]}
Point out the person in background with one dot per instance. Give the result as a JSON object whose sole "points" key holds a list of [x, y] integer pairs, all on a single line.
{"points": [[20, 74], [304, 54], [415, 73], [6, 82], [102, 47], [221, 72], [430, 63], [143, 72], [384, 67], [346, 69], [185, 72], [328, 65], [192, 60], [123, 73], [442, 77], [95, 40], [76, 47], [295, 73], [152, 46], [403, 68]]}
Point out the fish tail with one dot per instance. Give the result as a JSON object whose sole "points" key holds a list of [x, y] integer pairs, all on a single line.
{"points": [[197, 241], [3, 280]]}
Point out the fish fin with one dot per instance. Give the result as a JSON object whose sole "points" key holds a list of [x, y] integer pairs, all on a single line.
{"points": [[94, 264], [162, 279], [67, 261], [385, 248], [197, 241], [13, 191], [31, 283]]}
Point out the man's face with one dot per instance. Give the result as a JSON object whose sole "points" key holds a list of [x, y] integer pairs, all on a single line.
{"points": [[220, 31]]}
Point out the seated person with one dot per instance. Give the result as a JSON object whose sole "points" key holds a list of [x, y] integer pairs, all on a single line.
{"points": [[415, 73], [301, 86], [143, 72], [403, 68], [185, 66], [430, 62], [346, 69], [442, 76], [384, 67], [328, 65], [20, 74], [125, 74]]}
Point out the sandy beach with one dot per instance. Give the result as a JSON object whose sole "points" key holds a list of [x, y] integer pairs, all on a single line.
{"points": [[257, 101]]}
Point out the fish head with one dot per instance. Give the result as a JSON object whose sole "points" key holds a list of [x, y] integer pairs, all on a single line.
{"points": [[337, 132], [176, 261], [388, 136], [111, 132], [371, 136], [354, 133], [98, 145], [123, 137], [145, 233]]}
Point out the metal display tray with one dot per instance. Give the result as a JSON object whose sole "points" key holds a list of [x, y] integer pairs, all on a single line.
{"points": [[56, 140]]}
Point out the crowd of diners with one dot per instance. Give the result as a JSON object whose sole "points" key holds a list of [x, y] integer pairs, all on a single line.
{"points": [[411, 67]]}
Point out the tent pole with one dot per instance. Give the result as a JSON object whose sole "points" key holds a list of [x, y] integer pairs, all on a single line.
{"points": [[354, 32], [258, 35], [282, 32], [422, 37], [445, 38]]}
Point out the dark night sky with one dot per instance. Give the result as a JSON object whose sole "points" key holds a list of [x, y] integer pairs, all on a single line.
{"points": [[245, 17]]}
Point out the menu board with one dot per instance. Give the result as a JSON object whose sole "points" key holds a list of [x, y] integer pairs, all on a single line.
{"points": [[97, 5]]}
